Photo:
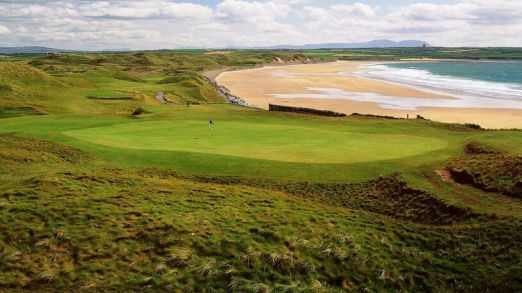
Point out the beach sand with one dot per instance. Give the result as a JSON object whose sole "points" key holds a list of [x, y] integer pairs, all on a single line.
{"points": [[256, 86]]}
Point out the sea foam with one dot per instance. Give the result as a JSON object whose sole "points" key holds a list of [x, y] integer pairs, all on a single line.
{"points": [[425, 80], [468, 93]]}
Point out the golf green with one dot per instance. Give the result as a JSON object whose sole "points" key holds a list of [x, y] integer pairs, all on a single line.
{"points": [[279, 142]]}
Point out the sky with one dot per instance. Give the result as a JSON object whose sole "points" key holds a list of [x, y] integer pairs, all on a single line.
{"points": [[167, 24]]}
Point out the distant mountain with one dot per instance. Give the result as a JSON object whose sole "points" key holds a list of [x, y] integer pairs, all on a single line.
{"points": [[42, 50], [117, 50], [372, 44], [190, 48], [32, 50], [238, 47]]}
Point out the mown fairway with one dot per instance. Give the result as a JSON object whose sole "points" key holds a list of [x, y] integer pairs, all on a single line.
{"points": [[308, 144]]}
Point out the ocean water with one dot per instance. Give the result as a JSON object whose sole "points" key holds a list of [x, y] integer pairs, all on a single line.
{"points": [[506, 72], [478, 84], [501, 80]]}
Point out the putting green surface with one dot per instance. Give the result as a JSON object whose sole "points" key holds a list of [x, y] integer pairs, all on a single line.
{"points": [[278, 142]]}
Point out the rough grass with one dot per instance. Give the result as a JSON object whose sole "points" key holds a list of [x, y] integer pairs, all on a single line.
{"points": [[22, 84], [71, 226], [127, 76], [9, 112], [387, 195], [15, 149], [16, 74], [489, 170], [178, 75], [107, 94]]}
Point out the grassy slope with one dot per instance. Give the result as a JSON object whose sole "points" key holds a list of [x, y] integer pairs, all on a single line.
{"points": [[22, 85], [100, 228], [138, 203], [27, 87], [488, 170], [136, 75], [106, 94], [171, 141]]}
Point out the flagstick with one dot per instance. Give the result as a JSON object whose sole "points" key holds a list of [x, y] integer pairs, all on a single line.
{"points": [[209, 129]]}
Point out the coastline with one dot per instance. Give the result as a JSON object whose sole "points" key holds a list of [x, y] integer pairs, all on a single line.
{"points": [[211, 76], [257, 87]]}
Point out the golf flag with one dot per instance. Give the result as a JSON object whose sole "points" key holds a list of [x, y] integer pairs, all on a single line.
{"points": [[211, 122]]}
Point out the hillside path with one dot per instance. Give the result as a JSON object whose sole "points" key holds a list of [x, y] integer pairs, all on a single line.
{"points": [[160, 96]]}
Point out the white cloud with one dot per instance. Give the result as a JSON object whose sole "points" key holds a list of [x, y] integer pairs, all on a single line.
{"points": [[251, 12], [213, 27], [134, 10], [357, 9], [469, 23], [146, 10], [293, 2], [34, 11], [317, 14], [4, 30], [433, 12], [497, 12], [171, 23], [186, 11], [278, 28]]}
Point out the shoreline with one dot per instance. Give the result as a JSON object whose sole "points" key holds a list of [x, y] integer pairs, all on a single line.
{"points": [[211, 76], [257, 87]]}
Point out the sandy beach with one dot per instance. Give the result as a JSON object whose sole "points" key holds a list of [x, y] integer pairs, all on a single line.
{"points": [[258, 86]]}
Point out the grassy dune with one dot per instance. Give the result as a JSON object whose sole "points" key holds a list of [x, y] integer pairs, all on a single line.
{"points": [[62, 84], [100, 228], [95, 199]]}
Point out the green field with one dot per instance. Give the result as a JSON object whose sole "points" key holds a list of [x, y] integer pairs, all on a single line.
{"points": [[406, 53], [246, 142], [260, 141], [98, 197]]}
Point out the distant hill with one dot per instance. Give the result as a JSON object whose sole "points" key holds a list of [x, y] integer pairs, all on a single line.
{"points": [[32, 50], [117, 50], [190, 48], [371, 44]]}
